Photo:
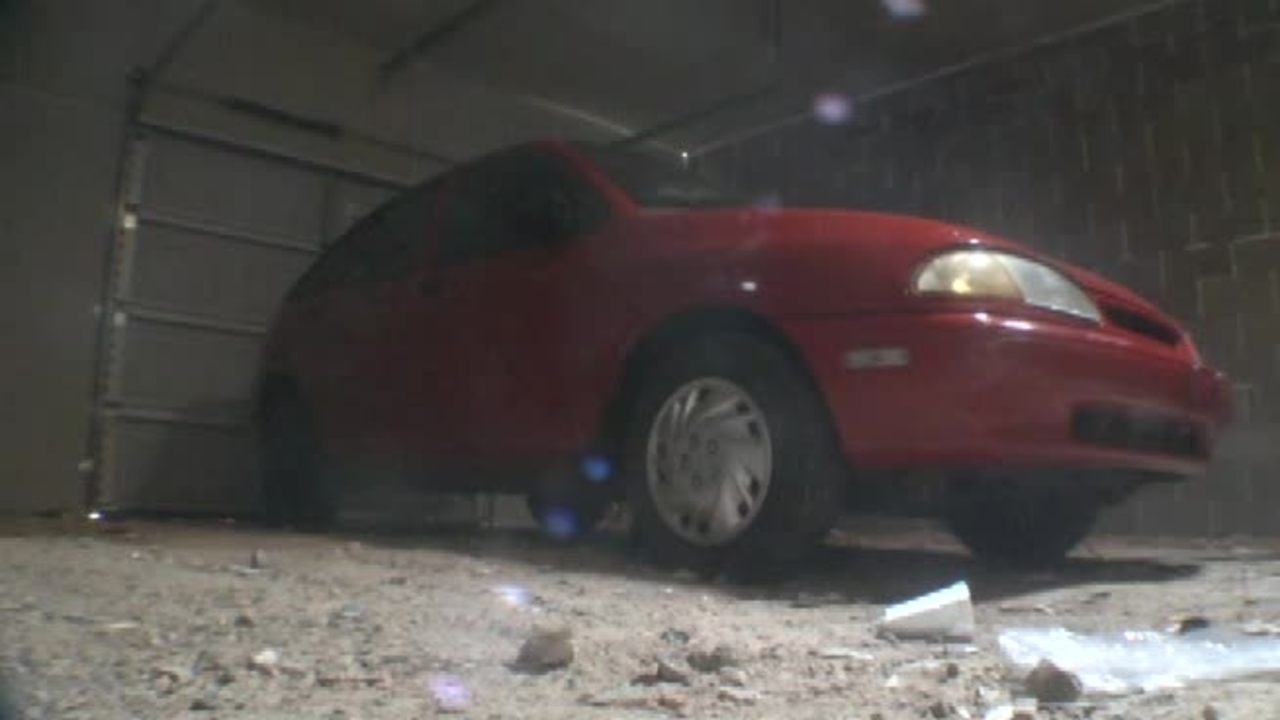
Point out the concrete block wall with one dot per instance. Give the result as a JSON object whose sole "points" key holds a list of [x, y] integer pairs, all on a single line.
{"points": [[1147, 150]]}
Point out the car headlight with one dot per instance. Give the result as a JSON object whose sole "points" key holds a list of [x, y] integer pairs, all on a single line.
{"points": [[992, 274]]}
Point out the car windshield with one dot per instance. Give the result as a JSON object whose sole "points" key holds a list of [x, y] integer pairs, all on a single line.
{"points": [[655, 181]]}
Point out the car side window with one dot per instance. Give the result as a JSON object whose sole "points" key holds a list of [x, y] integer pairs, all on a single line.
{"points": [[515, 202], [382, 246], [397, 238], [332, 267]]}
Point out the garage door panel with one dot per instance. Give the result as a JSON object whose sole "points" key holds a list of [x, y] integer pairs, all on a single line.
{"points": [[237, 281], [214, 238], [199, 182], [171, 366], [161, 465]]}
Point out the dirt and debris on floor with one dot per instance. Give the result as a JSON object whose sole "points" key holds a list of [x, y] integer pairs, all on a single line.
{"points": [[215, 621]]}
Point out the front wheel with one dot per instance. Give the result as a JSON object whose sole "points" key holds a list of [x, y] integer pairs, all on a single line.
{"points": [[1021, 525], [729, 459]]}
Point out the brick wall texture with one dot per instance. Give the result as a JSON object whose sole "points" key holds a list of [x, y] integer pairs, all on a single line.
{"points": [[1148, 150]]}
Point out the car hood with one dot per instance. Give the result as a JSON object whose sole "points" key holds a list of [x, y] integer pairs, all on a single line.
{"points": [[898, 241]]}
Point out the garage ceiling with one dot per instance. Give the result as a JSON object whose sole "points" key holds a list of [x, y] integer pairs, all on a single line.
{"points": [[453, 78]]}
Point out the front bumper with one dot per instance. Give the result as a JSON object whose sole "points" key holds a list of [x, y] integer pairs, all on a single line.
{"points": [[983, 390]]}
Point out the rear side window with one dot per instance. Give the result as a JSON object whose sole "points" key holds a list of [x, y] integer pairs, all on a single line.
{"points": [[515, 202], [383, 246]]}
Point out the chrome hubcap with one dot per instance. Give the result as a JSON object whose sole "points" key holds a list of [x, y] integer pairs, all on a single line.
{"points": [[709, 461]]}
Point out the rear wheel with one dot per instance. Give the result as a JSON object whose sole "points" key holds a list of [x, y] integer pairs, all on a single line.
{"points": [[729, 459], [297, 490], [1021, 525]]}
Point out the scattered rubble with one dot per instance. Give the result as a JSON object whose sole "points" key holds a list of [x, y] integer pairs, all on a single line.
{"points": [[714, 660], [733, 677], [941, 710], [203, 704], [738, 696], [664, 673], [183, 638], [1260, 629], [675, 637], [842, 653]]}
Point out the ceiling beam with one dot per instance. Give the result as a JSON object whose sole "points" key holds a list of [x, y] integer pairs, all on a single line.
{"points": [[158, 67], [451, 26], [731, 102], [700, 115], [775, 31]]}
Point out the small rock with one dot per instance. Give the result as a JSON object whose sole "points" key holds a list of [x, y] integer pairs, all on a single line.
{"points": [[1188, 623], [1210, 713], [941, 710], [669, 673], [265, 661], [546, 650], [951, 672], [258, 559], [843, 653], [244, 620], [719, 658], [347, 613], [203, 704], [1049, 683], [665, 672], [733, 677], [675, 637], [738, 696], [172, 675], [398, 580]]}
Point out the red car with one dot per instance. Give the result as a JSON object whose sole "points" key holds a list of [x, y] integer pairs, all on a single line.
{"points": [[587, 325]]}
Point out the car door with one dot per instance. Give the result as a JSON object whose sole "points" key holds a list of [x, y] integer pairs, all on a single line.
{"points": [[506, 238], [317, 327]]}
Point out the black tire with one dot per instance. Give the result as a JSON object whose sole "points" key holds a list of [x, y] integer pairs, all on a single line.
{"points": [[567, 505], [1021, 525], [805, 494], [297, 491]]}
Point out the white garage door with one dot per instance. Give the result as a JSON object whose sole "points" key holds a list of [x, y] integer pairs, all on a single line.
{"points": [[212, 238]]}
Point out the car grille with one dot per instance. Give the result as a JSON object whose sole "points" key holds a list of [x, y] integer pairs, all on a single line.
{"points": [[1122, 429], [1140, 323]]}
